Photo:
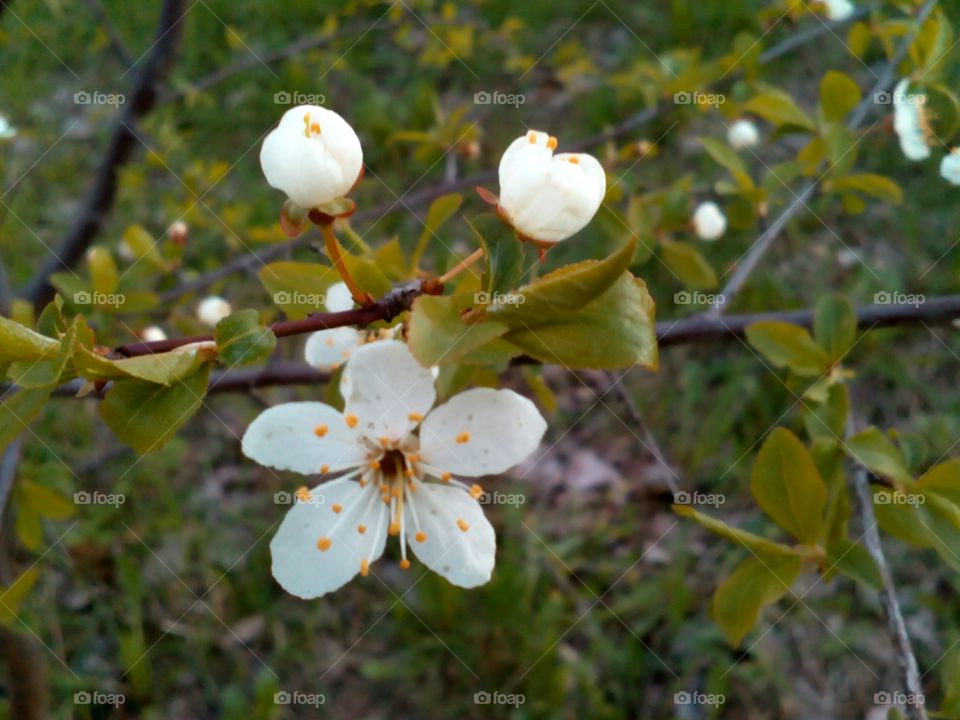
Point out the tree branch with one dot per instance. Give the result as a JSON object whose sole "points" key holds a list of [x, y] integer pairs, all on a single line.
{"points": [[101, 196]]}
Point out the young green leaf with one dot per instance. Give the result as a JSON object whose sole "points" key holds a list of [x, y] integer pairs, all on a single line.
{"points": [[298, 288], [504, 254], [878, 186], [854, 561], [754, 584], [839, 94], [18, 409], [688, 264], [145, 415], [144, 247], [441, 210], [828, 419], [874, 450], [726, 156], [755, 543], [438, 335], [788, 345], [835, 325], [14, 596], [21, 343], [787, 485], [780, 109], [242, 339], [103, 270]]}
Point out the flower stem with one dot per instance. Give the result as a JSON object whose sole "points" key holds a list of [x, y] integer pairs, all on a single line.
{"points": [[333, 250], [462, 265]]}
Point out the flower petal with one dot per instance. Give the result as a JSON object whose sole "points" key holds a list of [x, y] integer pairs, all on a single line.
{"points": [[481, 432], [303, 437], [386, 389], [333, 514], [328, 349], [465, 557], [338, 298]]}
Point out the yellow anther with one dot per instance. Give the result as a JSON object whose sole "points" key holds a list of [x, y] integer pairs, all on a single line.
{"points": [[361, 529], [574, 159], [552, 142], [415, 417], [413, 458], [337, 507], [321, 430], [408, 473], [462, 524], [532, 137], [324, 469], [476, 491], [404, 564], [396, 492], [352, 420], [420, 536], [463, 438], [364, 567], [315, 128], [303, 494], [384, 441], [394, 528], [323, 544], [446, 477], [375, 464]]}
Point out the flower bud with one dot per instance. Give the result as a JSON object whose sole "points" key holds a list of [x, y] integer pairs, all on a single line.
{"points": [[212, 310], [950, 167], [153, 333], [909, 121], [709, 222], [178, 233], [313, 155], [547, 197], [839, 9], [743, 134]]}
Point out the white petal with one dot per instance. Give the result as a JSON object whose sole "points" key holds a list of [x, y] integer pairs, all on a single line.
{"points": [[523, 170], [328, 349], [908, 121], [339, 298], [464, 557], [386, 389], [743, 134], [212, 310], [839, 9], [481, 432], [709, 222], [950, 167], [286, 437], [308, 572]]}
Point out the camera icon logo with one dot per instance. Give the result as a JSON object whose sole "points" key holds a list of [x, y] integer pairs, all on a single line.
{"points": [[81, 97], [882, 298], [281, 98], [281, 698], [884, 97], [82, 297], [481, 698], [282, 297], [282, 497], [682, 98], [81, 497], [81, 697], [481, 98], [681, 698]]}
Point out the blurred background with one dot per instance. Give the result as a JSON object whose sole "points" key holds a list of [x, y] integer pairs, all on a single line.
{"points": [[598, 607]]}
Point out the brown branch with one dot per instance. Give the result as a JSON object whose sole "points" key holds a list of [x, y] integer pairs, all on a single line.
{"points": [[102, 194]]}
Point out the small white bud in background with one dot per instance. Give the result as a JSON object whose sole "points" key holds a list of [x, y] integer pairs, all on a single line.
{"points": [[950, 167], [178, 232], [549, 197], [212, 310], [313, 155], [839, 9], [153, 333], [743, 134], [909, 121], [7, 131], [709, 222], [847, 258]]}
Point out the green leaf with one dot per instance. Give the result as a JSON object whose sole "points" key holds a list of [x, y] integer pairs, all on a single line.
{"points": [[617, 330], [878, 186], [726, 156], [787, 485], [18, 409], [441, 210], [504, 254], [753, 585], [751, 541], [564, 291], [438, 335], [14, 596], [145, 415], [143, 246], [788, 345], [835, 325], [298, 288], [688, 264], [45, 501], [854, 561], [103, 270], [828, 419], [21, 343], [839, 94], [943, 479], [780, 109], [365, 272], [874, 450], [242, 339]]}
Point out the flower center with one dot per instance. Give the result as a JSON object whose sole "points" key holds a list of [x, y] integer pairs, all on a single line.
{"points": [[310, 128]]}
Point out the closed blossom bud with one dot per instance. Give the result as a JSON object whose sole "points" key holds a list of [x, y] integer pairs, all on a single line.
{"points": [[743, 134], [839, 9], [313, 155], [153, 333], [548, 197], [212, 310], [910, 121], [178, 233], [950, 167], [709, 222]]}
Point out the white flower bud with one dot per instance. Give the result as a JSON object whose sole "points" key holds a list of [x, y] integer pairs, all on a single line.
{"points": [[549, 197], [313, 155], [153, 333], [950, 167], [743, 134], [212, 310], [709, 222], [7, 131], [839, 9], [909, 121]]}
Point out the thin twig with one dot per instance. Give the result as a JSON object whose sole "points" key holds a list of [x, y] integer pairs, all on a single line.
{"points": [[748, 262], [99, 200]]}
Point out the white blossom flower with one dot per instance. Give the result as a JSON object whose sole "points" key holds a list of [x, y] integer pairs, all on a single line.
{"points": [[7, 131], [212, 310], [153, 333], [839, 9], [327, 350], [909, 121], [313, 155], [743, 134], [548, 197], [709, 222], [950, 167], [396, 481]]}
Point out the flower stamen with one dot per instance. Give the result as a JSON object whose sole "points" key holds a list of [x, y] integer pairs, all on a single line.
{"points": [[320, 430]]}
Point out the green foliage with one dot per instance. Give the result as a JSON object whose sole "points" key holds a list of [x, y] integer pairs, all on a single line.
{"points": [[788, 345], [503, 253], [754, 584], [243, 340]]}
